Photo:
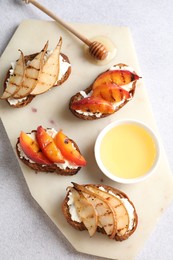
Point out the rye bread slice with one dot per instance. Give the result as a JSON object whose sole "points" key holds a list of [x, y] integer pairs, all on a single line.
{"points": [[52, 168], [79, 96], [81, 227], [25, 101]]}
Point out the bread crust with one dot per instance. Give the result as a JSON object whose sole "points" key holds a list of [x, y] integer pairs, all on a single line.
{"points": [[80, 226], [29, 98], [53, 168], [78, 96]]}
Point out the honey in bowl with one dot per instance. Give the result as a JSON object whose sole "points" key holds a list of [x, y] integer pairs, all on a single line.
{"points": [[126, 151]]}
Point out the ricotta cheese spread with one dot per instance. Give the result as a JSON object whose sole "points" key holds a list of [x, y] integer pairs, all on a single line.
{"points": [[72, 208], [15, 101]]}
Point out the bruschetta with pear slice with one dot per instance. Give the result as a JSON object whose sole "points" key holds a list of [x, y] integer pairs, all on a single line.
{"points": [[100, 208], [35, 74]]}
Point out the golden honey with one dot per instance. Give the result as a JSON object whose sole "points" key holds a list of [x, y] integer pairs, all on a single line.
{"points": [[128, 151]]}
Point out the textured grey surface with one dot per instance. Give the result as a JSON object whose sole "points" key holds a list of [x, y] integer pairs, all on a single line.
{"points": [[25, 230]]}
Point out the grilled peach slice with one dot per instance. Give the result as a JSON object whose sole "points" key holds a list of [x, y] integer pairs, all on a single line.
{"points": [[94, 105], [118, 77], [32, 150], [111, 92], [68, 150], [48, 146]]}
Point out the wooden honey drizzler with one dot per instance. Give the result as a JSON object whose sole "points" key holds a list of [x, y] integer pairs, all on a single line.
{"points": [[96, 49]]}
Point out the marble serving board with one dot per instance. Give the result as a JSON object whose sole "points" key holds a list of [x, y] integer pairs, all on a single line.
{"points": [[150, 197]]}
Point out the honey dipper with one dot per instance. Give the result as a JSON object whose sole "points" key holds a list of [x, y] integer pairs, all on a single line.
{"points": [[96, 49]]}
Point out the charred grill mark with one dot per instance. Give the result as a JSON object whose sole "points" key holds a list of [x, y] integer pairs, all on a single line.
{"points": [[26, 87], [123, 77], [110, 225], [33, 67], [32, 78], [107, 213], [99, 204], [66, 141], [119, 205], [17, 74], [91, 215]]}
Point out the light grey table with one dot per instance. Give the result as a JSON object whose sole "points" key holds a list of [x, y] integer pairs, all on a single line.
{"points": [[25, 230]]}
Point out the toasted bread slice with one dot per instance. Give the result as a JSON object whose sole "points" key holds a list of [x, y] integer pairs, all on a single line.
{"points": [[49, 168], [77, 224], [17, 103], [88, 92]]}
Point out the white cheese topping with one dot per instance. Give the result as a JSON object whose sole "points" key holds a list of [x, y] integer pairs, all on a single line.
{"points": [[15, 101], [85, 95], [64, 66], [85, 113], [130, 211], [52, 132], [72, 208]]}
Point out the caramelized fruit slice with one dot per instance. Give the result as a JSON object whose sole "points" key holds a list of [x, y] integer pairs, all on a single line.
{"points": [[32, 149], [68, 150], [15, 81], [31, 74], [48, 146], [106, 215], [119, 208], [94, 105], [111, 92], [86, 211], [49, 72], [118, 77]]}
